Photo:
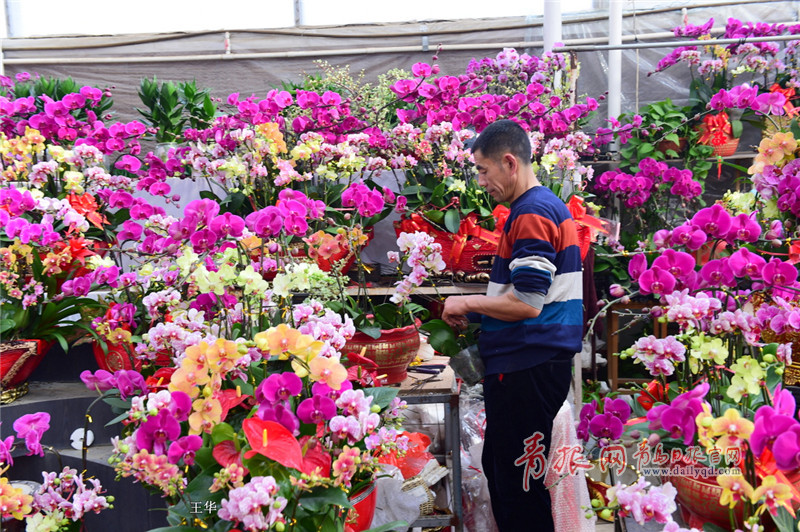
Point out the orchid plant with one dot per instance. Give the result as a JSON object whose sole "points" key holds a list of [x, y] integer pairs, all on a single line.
{"points": [[720, 281], [63, 498], [269, 429]]}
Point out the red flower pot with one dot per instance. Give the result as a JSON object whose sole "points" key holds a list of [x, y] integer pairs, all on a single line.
{"points": [[360, 517], [18, 359], [393, 351], [118, 357]]}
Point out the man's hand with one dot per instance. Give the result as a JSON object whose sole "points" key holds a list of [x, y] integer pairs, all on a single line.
{"points": [[455, 310]]}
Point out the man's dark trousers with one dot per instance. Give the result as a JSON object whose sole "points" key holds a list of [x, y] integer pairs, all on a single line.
{"points": [[518, 404]]}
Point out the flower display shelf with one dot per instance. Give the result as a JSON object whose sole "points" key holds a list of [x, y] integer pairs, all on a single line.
{"points": [[612, 328], [441, 389]]}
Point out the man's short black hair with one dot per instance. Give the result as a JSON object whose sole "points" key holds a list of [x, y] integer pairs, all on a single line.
{"points": [[504, 136]]}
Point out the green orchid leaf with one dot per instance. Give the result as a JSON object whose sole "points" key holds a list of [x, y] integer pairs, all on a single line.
{"points": [[452, 220], [221, 432]]}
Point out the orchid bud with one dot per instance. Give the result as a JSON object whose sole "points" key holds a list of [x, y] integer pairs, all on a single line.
{"points": [[769, 358], [635, 434], [625, 300], [616, 290], [653, 440], [656, 312]]}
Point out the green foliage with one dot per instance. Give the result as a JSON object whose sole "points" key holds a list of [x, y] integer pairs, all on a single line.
{"points": [[172, 107]]}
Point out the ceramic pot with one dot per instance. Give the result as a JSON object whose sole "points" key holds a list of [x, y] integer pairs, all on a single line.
{"points": [[393, 351], [360, 517], [18, 359]]}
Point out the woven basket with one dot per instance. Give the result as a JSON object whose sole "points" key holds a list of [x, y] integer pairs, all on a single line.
{"points": [[729, 148]]}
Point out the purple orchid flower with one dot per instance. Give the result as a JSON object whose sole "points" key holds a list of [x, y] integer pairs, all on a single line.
{"points": [[786, 449], [767, 427], [678, 263], [743, 262], [713, 220], [31, 428], [155, 433], [606, 426], [637, 265], [129, 382], [744, 227], [184, 449], [5, 450], [181, 405], [718, 272], [656, 281], [779, 273], [101, 380], [316, 409], [320, 388], [690, 236], [279, 414], [618, 408], [279, 387]]}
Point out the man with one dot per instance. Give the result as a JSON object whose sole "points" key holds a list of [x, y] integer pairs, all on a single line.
{"points": [[531, 326]]}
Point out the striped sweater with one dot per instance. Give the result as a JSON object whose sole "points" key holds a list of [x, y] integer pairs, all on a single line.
{"points": [[538, 258]]}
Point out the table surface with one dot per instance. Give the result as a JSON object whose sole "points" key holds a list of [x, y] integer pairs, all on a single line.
{"points": [[423, 384]]}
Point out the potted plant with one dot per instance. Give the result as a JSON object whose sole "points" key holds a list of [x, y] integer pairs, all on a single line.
{"points": [[716, 422], [171, 108]]}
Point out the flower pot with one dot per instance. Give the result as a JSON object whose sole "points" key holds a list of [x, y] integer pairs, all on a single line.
{"points": [[118, 358], [360, 516], [678, 147], [393, 351], [18, 359]]}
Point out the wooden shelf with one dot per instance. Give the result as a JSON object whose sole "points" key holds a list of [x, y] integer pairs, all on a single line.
{"points": [[445, 290]]}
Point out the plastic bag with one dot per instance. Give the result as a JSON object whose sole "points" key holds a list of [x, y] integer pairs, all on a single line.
{"points": [[415, 457], [468, 366], [476, 507]]}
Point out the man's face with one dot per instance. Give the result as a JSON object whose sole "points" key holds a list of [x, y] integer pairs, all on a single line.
{"points": [[495, 176]]}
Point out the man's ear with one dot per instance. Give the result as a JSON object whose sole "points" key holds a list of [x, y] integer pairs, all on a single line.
{"points": [[511, 161]]}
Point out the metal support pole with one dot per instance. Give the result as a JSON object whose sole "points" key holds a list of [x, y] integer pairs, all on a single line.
{"points": [[614, 61], [552, 24]]}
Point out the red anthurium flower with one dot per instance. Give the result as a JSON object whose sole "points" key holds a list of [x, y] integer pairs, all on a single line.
{"points": [[229, 399], [274, 441], [87, 206], [316, 458], [226, 453], [654, 390]]}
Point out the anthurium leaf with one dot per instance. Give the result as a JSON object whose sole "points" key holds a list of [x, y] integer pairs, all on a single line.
{"points": [[783, 520], [222, 432], [441, 337], [203, 458], [319, 499], [452, 220], [274, 441], [371, 330], [382, 396]]}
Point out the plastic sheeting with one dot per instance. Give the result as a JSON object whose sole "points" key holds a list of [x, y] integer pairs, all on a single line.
{"points": [[369, 47]]}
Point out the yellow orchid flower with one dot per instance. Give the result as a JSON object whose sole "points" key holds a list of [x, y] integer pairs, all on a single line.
{"points": [[773, 494], [328, 371], [733, 428], [734, 489]]}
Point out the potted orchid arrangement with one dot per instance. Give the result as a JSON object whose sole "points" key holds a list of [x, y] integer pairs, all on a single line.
{"points": [[717, 406], [260, 433], [765, 65]]}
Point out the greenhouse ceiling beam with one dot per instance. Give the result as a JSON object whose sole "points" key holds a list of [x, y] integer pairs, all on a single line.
{"points": [[573, 45], [614, 61]]}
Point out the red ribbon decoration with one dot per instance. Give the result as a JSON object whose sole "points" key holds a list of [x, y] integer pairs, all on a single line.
{"points": [[587, 226], [717, 130]]}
